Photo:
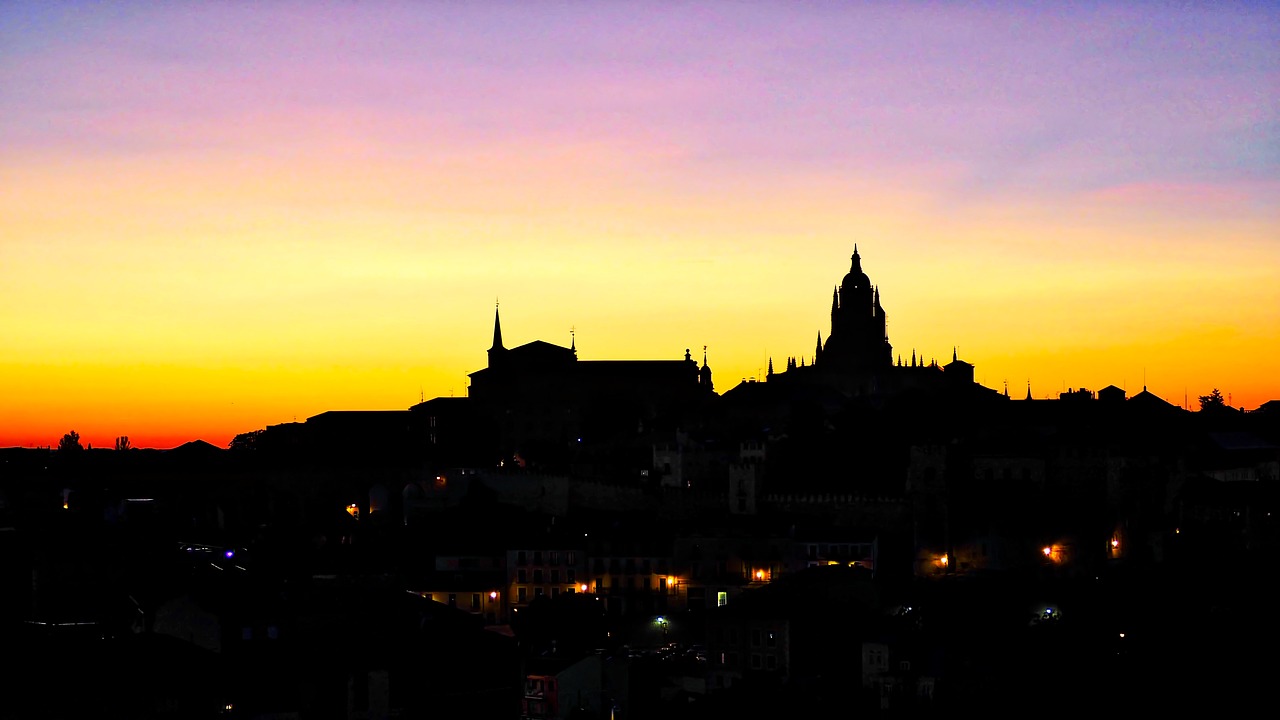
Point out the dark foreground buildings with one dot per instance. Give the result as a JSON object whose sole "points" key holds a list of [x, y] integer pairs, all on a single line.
{"points": [[859, 533]]}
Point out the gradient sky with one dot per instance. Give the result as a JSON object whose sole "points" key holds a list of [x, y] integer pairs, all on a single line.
{"points": [[219, 216]]}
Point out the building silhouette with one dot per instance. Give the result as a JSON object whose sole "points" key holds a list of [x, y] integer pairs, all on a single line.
{"points": [[858, 341], [856, 360]]}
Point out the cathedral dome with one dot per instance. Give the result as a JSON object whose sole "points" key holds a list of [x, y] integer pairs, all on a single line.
{"points": [[855, 279]]}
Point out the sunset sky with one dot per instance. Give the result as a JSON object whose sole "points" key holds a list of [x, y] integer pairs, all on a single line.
{"points": [[220, 216]]}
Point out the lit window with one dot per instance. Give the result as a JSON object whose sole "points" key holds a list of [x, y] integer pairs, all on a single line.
{"points": [[722, 598]]}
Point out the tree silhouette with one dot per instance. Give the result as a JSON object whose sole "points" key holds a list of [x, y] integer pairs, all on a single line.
{"points": [[245, 441], [1212, 400], [70, 442], [122, 443]]}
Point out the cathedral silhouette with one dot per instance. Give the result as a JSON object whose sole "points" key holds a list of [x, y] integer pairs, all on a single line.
{"points": [[857, 358]]}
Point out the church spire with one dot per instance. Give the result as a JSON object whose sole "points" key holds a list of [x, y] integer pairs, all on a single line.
{"points": [[770, 366], [857, 260], [817, 353], [953, 354], [497, 330], [496, 353], [704, 375], [1028, 389]]}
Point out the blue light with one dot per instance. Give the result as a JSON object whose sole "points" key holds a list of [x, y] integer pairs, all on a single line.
{"points": [[230, 553]]}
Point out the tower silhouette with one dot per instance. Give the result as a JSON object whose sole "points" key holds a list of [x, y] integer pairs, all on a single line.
{"points": [[858, 341]]}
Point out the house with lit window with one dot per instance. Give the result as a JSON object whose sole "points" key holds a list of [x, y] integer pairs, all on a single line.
{"points": [[549, 570], [480, 593], [634, 575], [715, 568]]}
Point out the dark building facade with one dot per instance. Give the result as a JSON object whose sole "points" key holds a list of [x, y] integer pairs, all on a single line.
{"points": [[542, 402]]}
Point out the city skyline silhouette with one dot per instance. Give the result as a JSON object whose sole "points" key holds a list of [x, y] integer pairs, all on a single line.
{"points": [[637, 360]]}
